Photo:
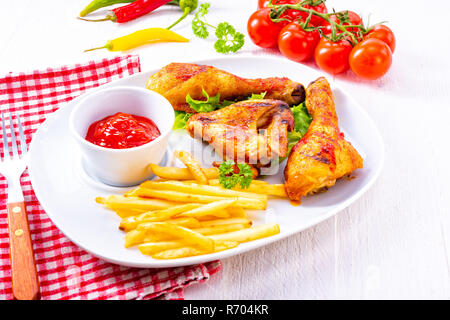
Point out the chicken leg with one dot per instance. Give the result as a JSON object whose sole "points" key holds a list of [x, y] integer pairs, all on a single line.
{"points": [[177, 80], [322, 155], [233, 130]]}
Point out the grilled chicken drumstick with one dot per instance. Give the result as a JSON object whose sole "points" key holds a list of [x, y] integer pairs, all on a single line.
{"points": [[322, 155], [233, 131], [176, 80]]}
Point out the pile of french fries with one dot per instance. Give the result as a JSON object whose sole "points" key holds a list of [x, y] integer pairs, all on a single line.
{"points": [[186, 212]]}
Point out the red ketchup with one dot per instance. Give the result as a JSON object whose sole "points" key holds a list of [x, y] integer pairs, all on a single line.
{"points": [[122, 131]]}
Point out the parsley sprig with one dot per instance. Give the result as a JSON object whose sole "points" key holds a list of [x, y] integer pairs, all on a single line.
{"points": [[228, 39], [232, 174]]}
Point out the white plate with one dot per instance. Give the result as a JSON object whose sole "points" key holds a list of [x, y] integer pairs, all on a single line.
{"points": [[67, 193]]}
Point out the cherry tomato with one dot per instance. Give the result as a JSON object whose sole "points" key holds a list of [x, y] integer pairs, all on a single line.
{"points": [[332, 57], [384, 34], [297, 44], [262, 3], [315, 20], [262, 30], [370, 59], [353, 18]]}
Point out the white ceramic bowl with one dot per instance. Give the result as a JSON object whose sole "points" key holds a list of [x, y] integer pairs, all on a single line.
{"points": [[122, 167]]}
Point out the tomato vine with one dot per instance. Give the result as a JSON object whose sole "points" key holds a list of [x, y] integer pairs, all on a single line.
{"points": [[342, 24]]}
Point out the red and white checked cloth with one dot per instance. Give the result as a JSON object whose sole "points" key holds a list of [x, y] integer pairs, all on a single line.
{"points": [[66, 271]]}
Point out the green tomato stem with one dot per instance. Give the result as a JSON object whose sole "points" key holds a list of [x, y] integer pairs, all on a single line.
{"points": [[299, 6]]}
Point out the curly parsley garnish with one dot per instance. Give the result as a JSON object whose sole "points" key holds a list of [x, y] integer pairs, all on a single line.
{"points": [[232, 174], [228, 39], [199, 25]]}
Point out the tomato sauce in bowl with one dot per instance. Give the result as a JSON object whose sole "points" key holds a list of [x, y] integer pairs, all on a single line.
{"points": [[122, 131]]}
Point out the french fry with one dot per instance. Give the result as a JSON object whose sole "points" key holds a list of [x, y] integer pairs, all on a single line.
{"points": [[249, 234], [185, 222], [258, 187], [212, 215], [174, 196], [128, 213], [191, 251], [178, 253], [193, 166], [134, 237], [222, 228], [158, 237], [224, 245], [130, 193], [218, 214], [184, 234], [209, 209], [134, 203], [196, 188], [100, 200], [237, 212], [173, 173], [277, 190], [221, 222], [130, 223], [150, 248]]}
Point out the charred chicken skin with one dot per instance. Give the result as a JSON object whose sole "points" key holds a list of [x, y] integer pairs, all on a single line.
{"points": [[322, 155], [177, 80], [251, 131]]}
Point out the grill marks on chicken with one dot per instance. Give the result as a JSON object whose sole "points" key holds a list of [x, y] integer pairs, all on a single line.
{"points": [[252, 131], [176, 80], [322, 155]]}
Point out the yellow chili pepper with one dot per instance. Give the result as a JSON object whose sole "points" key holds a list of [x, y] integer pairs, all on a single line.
{"points": [[141, 37]]}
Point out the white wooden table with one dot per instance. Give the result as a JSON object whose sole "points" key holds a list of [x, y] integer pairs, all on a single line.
{"points": [[392, 243]]}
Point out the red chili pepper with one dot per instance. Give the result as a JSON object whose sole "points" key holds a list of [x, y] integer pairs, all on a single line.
{"points": [[132, 11]]}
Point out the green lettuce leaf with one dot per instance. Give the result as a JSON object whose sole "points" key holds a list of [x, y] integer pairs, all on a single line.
{"points": [[208, 105], [214, 103], [302, 118], [257, 96], [293, 138], [226, 103], [181, 118]]}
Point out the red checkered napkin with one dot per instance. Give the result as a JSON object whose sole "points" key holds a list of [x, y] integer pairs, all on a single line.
{"points": [[66, 271]]}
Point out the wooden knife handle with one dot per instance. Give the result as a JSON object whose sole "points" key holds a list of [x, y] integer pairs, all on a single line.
{"points": [[25, 282]]}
